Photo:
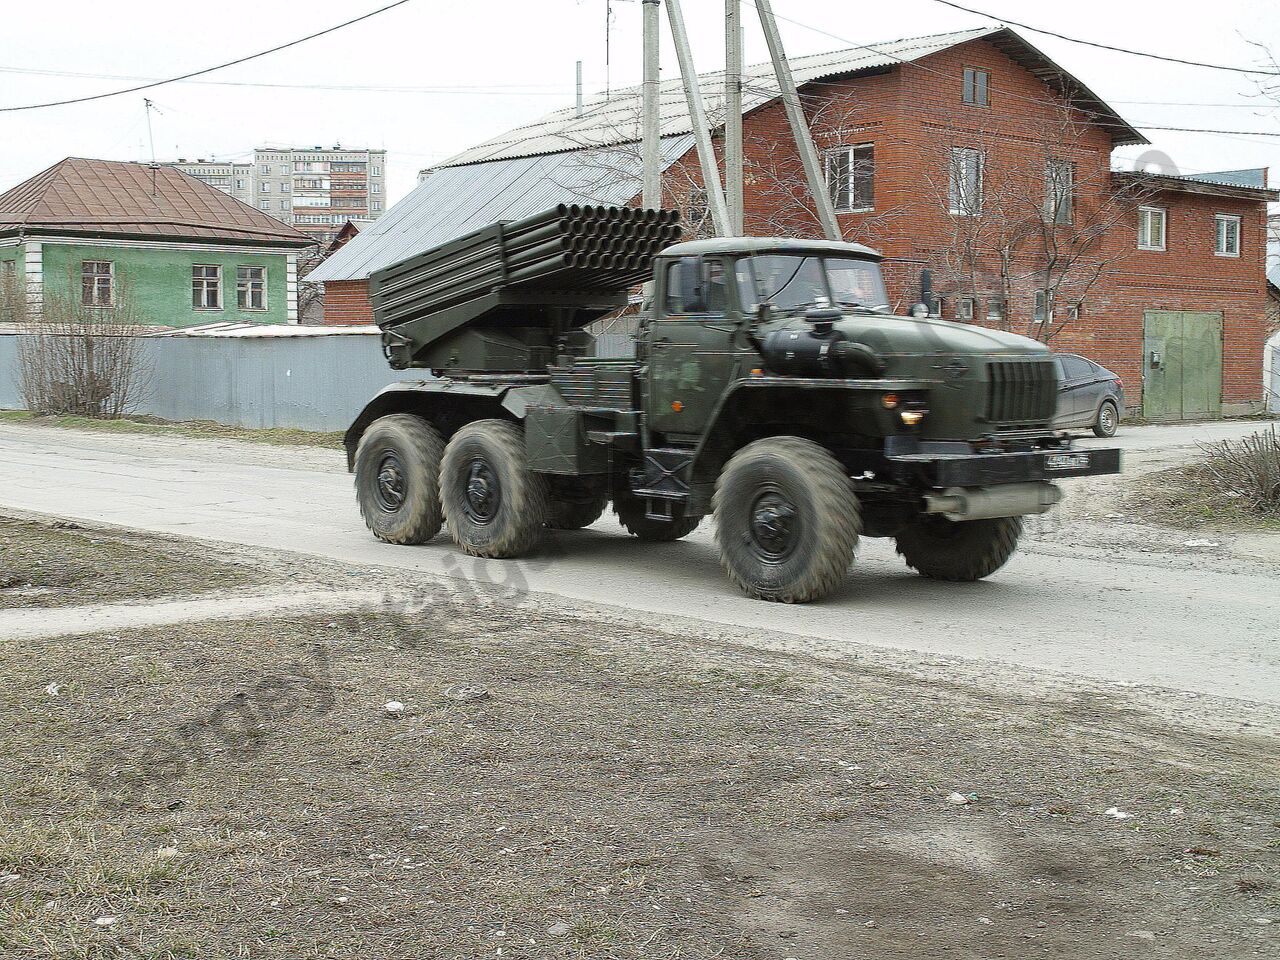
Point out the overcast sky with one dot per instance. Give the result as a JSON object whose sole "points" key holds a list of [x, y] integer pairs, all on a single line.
{"points": [[453, 73]]}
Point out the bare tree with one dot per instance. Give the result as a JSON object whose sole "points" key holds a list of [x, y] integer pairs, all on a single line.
{"points": [[1035, 228], [80, 353]]}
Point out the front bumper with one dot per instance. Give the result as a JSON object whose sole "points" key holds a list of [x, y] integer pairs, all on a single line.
{"points": [[946, 464]]}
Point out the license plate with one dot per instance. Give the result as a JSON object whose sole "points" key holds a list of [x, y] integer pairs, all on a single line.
{"points": [[1066, 461]]}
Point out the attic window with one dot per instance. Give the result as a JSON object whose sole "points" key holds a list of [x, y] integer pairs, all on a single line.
{"points": [[975, 86]]}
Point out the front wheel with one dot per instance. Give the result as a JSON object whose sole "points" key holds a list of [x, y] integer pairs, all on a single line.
{"points": [[959, 550], [1108, 421], [787, 520], [494, 504]]}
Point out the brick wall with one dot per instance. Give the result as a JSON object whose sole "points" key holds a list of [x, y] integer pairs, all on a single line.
{"points": [[347, 301]]}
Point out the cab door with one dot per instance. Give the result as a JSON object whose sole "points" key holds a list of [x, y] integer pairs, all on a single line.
{"points": [[693, 354]]}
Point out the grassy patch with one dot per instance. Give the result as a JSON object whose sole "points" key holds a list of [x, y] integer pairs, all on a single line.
{"points": [[57, 563], [202, 429], [594, 802], [1187, 497]]}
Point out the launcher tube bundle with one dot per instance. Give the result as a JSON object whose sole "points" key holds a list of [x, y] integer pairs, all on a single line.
{"points": [[557, 270]]}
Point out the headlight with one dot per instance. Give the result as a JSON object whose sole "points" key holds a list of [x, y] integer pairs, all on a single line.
{"points": [[913, 418]]}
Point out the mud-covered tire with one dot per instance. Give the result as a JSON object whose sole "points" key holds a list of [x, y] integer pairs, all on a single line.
{"points": [[631, 514], [787, 520], [1108, 422], [575, 514], [961, 551], [397, 478], [495, 505]]}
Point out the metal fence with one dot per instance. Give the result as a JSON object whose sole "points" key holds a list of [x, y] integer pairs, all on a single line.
{"points": [[312, 382], [1273, 376]]}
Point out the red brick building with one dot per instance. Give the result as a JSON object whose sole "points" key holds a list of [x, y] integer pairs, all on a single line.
{"points": [[980, 169]]}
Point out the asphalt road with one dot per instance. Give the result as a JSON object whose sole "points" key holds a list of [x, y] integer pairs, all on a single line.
{"points": [[1111, 613]]}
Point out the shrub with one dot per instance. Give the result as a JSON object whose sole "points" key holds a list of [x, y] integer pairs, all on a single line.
{"points": [[1245, 472]]}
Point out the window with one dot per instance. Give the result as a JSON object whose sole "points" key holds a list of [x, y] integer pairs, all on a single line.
{"points": [[975, 87], [850, 177], [377, 171], [699, 207], [1059, 187], [377, 205], [995, 308], [965, 194], [1151, 228], [97, 283], [964, 308], [206, 287], [284, 187], [695, 285], [284, 204], [239, 184], [1226, 235], [266, 169], [284, 169], [375, 188], [265, 188], [251, 288], [264, 204], [1044, 306]]}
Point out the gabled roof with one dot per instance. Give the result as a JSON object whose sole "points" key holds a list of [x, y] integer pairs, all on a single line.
{"points": [[617, 120], [1205, 184], [110, 199], [451, 201]]}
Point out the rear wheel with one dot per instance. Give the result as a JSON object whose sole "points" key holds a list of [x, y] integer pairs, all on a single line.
{"points": [[574, 504], [787, 520], [397, 477], [959, 550], [494, 504], [1108, 421], [631, 514]]}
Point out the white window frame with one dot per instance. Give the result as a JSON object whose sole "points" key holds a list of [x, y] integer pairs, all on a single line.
{"points": [[245, 285], [834, 188], [1042, 307], [109, 276], [964, 308], [1144, 228], [963, 161], [995, 308], [1220, 247], [201, 283]]}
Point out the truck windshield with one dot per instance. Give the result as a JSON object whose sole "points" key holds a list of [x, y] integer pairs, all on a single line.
{"points": [[791, 281]]}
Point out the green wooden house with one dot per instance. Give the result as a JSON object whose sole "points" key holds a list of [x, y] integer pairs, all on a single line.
{"points": [[182, 251]]}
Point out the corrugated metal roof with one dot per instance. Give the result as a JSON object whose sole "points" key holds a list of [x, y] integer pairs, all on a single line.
{"points": [[241, 330], [1233, 178], [452, 201], [617, 120]]}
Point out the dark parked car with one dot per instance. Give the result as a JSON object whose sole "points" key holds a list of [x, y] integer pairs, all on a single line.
{"points": [[1089, 395]]}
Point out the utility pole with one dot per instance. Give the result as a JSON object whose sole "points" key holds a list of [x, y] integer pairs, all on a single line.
{"points": [[733, 114], [799, 125], [651, 145], [147, 107], [698, 114]]}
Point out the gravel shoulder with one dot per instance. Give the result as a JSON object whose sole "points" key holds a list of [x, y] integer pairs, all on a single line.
{"points": [[561, 783]]}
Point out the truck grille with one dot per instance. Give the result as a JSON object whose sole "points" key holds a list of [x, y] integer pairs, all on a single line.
{"points": [[1022, 392]]}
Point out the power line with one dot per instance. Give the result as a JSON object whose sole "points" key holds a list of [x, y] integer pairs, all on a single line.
{"points": [[1107, 46], [221, 66]]}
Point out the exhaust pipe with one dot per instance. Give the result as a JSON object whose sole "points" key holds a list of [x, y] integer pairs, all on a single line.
{"points": [[988, 503]]}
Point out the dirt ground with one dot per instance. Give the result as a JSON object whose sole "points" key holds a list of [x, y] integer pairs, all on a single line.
{"points": [[565, 786], [46, 563]]}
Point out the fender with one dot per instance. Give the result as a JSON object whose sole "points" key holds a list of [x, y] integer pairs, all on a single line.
{"points": [[811, 400], [448, 404]]}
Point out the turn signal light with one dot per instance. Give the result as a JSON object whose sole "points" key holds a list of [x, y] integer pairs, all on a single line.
{"points": [[677, 406], [913, 418], [890, 400]]}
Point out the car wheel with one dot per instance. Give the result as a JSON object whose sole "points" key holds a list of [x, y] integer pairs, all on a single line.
{"points": [[397, 478], [1108, 421], [494, 504]]}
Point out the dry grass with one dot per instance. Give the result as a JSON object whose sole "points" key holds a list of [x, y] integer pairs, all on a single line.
{"points": [[200, 429], [1234, 483], [618, 793]]}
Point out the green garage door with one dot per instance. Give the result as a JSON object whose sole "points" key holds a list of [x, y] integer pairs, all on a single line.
{"points": [[1182, 369]]}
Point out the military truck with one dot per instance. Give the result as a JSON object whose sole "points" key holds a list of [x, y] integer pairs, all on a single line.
{"points": [[772, 389]]}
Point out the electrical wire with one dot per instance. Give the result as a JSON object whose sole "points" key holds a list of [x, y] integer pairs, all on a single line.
{"points": [[1107, 46], [199, 73]]}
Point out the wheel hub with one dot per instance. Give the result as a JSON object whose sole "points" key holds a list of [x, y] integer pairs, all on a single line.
{"points": [[483, 495], [773, 526], [391, 482]]}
